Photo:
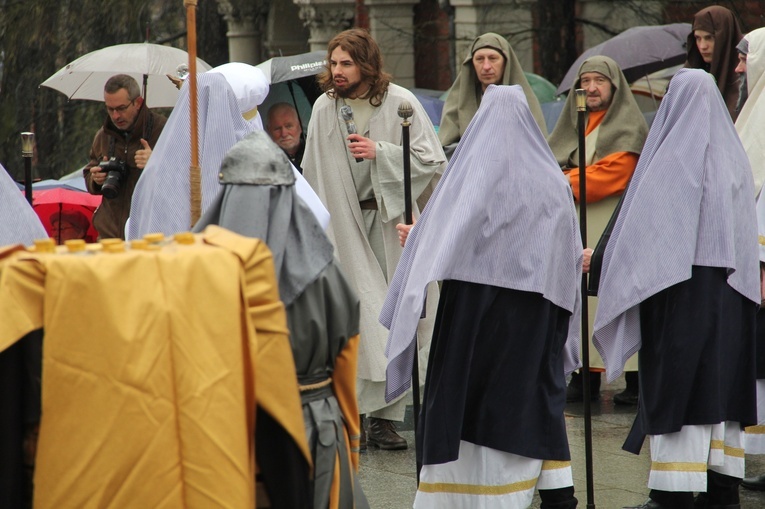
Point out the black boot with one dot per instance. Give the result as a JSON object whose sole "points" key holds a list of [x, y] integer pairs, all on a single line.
{"points": [[561, 498], [382, 434], [629, 396], [667, 500], [701, 501], [756, 482], [575, 389], [363, 437], [722, 491]]}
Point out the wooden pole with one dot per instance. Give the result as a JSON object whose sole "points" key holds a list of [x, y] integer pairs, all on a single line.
{"points": [[405, 111], [195, 172], [581, 108], [27, 152]]}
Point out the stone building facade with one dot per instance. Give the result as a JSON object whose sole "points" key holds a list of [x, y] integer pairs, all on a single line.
{"points": [[424, 41]]}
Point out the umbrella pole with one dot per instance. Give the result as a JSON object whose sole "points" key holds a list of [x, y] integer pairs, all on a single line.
{"points": [[195, 172], [650, 91], [581, 108], [294, 101], [145, 88]]}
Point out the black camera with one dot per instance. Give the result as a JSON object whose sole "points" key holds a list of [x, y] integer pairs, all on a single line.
{"points": [[115, 170]]}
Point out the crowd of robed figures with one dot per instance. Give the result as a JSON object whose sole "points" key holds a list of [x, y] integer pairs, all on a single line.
{"points": [[500, 231]]}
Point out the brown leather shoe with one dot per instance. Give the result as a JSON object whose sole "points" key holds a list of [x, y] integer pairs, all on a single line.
{"points": [[382, 434]]}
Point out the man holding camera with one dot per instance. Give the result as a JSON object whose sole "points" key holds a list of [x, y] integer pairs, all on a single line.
{"points": [[119, 153]]}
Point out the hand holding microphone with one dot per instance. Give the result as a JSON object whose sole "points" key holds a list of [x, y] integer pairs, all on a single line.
{"points": [[347, 113]]}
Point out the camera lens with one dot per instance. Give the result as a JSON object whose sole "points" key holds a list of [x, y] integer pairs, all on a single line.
{"points": [[111, 185]]}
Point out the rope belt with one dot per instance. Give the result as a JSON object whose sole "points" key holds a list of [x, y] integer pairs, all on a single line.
{"points": [[370, 204], [315, 392], [317, 385]]}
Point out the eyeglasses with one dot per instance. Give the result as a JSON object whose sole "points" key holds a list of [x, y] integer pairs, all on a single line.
{"points": [[120, 109]]}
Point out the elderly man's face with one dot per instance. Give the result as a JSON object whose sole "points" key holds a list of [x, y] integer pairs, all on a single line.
{"points": [[599, 90], [284, 128], [705, 41], [489, 66], [741, 67]]}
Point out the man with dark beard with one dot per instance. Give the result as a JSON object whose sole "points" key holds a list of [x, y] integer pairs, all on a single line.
{"points": [[743, 93], [358, 177]]}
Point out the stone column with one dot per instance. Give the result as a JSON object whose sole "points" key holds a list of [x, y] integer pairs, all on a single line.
{"points": [[286, 33], [391, 23], [246, 21], [324, 19], [509, 18]]}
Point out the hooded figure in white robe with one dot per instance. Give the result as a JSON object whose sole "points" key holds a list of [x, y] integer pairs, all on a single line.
{"points": [[19, 223], [20, 368], [161, 201], [501, 232], [679, 283]]}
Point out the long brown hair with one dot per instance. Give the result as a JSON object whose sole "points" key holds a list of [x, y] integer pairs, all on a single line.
{"points": [[366, 54]]}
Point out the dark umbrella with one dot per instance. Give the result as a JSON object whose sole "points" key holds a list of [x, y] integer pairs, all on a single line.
{"points": [[279, 69], [639, 51]]}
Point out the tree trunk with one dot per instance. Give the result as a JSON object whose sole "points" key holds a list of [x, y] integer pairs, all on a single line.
{"points": [[556, 37]]}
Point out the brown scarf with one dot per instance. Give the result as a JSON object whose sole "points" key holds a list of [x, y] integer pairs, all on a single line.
{"points": [[719, 21], [623, 128], [466, 92]]}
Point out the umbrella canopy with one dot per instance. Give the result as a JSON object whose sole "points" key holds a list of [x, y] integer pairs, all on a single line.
{"points": [[85, 77], [72, 184], [279, 69], [53, 203], [432, 101], [639, 51], [543, 89]]}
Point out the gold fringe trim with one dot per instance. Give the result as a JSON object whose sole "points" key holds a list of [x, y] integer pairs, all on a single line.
{"points": [[475, 489], [677, 466], [555, 465]]}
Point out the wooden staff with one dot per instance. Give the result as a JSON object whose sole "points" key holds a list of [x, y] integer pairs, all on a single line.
{"points": [[195, 172], [581, 108], [27, 152], [405, 111]]}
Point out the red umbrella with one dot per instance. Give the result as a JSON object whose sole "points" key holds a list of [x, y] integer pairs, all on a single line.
{"points": [[74, 207]]}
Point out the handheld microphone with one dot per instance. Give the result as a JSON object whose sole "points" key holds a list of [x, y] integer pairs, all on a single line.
{"points": [[347, 113]]}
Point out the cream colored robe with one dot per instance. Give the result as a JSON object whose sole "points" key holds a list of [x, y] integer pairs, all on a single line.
{"points": [[327, 165]]}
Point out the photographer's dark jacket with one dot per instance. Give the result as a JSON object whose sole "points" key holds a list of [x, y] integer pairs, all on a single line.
{"points": [[110, 217]]}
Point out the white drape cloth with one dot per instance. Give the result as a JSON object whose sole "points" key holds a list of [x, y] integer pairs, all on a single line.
{"points": [[751, 121], [18, 222], [689, 203], [161, 201], [502, 215]]}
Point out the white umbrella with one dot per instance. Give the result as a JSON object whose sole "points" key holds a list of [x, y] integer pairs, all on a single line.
{"points": [[85, 77]]}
